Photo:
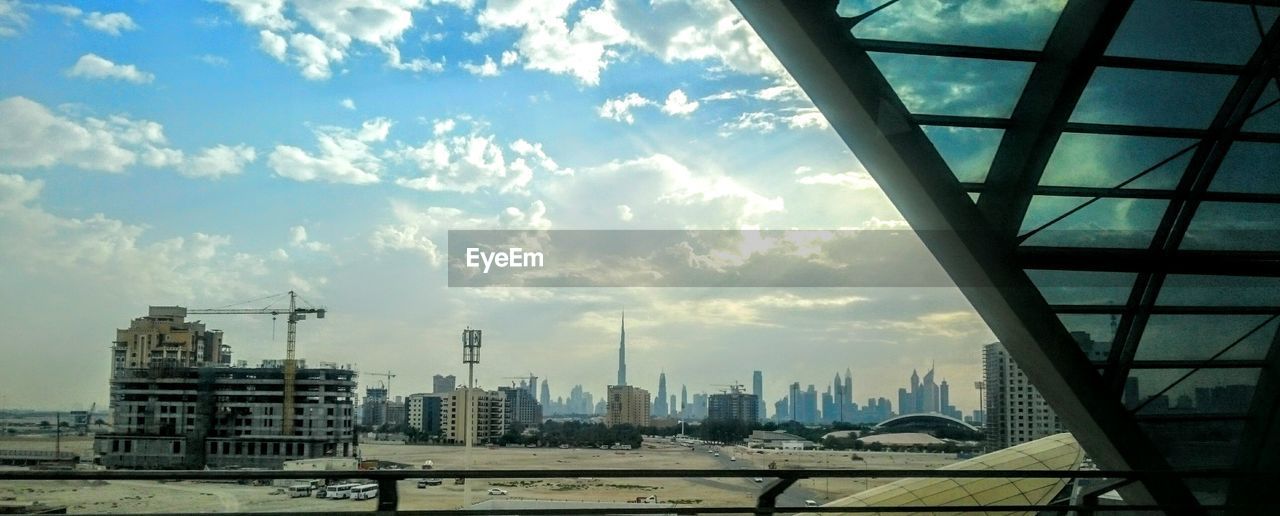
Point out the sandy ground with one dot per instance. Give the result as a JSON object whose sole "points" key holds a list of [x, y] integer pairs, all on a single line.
{"points": [[145, 496]]}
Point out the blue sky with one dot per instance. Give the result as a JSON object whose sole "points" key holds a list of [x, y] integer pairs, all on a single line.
{"points": [[204, 153]]}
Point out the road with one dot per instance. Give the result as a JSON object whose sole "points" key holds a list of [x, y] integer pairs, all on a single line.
{"points": [[794, 496]]}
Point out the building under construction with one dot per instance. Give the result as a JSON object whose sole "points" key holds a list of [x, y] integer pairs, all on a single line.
{"points": [[177, 403]]}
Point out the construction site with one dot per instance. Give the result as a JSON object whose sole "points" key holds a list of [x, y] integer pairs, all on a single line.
{"points": [[178, 402]]}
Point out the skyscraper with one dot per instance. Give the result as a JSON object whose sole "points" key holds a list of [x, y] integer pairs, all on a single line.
{"points": [[929, 390], [660, 408], [917, 397], [684, 401], [622, 353], [545, 396], [442, 384], [757, 388], [1015, 412], [848, 394], [837, 401]]}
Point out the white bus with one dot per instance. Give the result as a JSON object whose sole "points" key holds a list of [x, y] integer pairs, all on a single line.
{"points": [[299, 490], [339, 491], [364, 492]]}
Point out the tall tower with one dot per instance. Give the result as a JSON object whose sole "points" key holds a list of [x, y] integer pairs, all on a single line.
{"points": [[660, 408], [757, 388], [545, 395], [684, 401], [622, 353]]}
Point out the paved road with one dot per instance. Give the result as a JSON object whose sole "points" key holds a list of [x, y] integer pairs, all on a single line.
{"points": [[794, 496]]}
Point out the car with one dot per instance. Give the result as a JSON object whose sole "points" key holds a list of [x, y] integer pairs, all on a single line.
{"points": [[757, 480], [497, 492], [733, 459], [422, 483], [717, 454], [810, 503]]}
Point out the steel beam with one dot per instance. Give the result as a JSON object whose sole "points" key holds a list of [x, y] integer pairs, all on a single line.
{"points": [[1071, 54], [1229, 263], [844, 83], [1195, 180], [1260, 441]]}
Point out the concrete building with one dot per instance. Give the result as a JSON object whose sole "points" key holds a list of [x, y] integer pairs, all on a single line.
{"points": [[628, 405], [473, 411], [757, 388], [519, 407], [734, 406], [441, 384], [424, 412], [1015, 411], [218, 416], [660, 408], [164, 337]]}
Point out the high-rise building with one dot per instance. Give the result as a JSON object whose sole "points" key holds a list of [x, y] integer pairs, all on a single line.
{"points": [[757, 388], [519, 407], [684, 401], [544, 397], [698, 409], [176, 403], [905, 403], [475, 412], [929, 390], [917, 395], [829, 411], [734, 405], [795, 399], [1016, 412], [424, 412], [163, 337], [628, 405], [848, 390], [622, 353], [441, 384], [781, 410], [810, 405], [660, 408], [836, 410]]}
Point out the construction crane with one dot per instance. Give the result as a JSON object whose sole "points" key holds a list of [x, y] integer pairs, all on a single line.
{"points": [[293, 314], [389, 376], [734, 388]]}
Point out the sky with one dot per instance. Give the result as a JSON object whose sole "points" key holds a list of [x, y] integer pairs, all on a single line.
{"points": [[208, 153]]}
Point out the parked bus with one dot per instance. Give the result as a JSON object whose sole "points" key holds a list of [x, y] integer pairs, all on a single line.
{"points": [[364, 492], [339, 491], [299, 490]]}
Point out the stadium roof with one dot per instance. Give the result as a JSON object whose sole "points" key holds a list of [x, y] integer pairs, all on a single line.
{"points": [[1084, 165], [925, 419]]}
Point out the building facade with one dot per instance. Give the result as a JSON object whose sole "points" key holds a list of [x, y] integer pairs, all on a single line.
{"points": [[219, 416], [1015, 411], [424, 412], [164, 338], [475, 412], [519, 407], [442, 384], [627, 405], [734, 406]]}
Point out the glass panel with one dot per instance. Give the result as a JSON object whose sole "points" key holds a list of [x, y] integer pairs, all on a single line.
{"points": [[1234, 226], [1265, 120], [990, 23], [1249, 167], [951, 86], [1094, 333], [967, 151], [1111, 222], [1206, 391], [1196, 444], [1083, 288], [1101, 160], [1186, 289], [1187, 31], [1198, 337], [1144, 97]]}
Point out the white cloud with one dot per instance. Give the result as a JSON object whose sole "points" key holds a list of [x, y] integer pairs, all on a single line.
{"points": [[92, 66], [118, 257], [657, 191], [348, 103], [110, 23], [768, 121], [417, 230], [273, 44], [678, 104], [450, 161], [33, 136], [213, 60], [488, 68], [344, 155], [548, 42], [510, 57], [12, 18], [620, 108], [218, 161], [298, 239], [851, 179], [321, 33]]}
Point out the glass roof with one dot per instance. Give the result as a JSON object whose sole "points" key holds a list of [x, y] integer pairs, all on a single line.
{"points": [[1152, 222]]}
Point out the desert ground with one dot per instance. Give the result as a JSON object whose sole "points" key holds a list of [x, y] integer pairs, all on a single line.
{"points": [[135, 497]]}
